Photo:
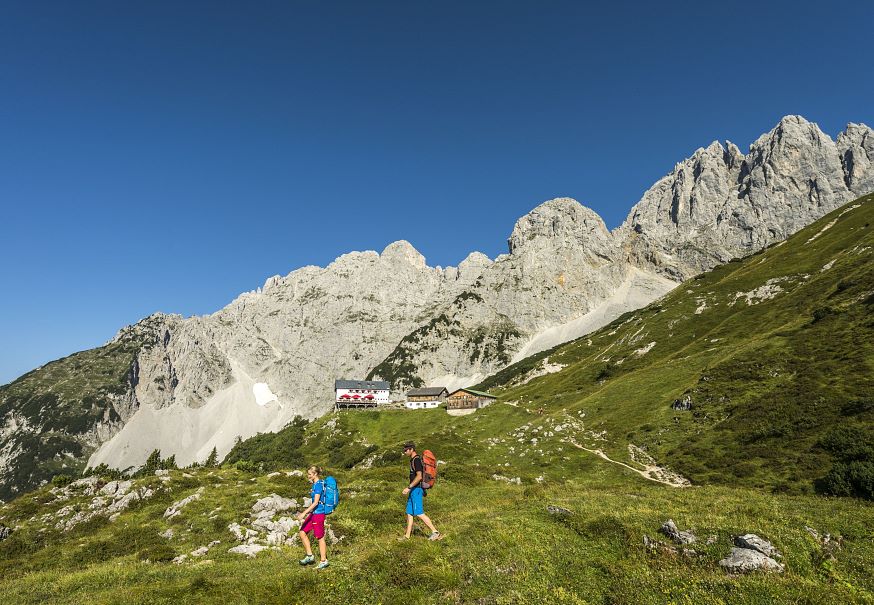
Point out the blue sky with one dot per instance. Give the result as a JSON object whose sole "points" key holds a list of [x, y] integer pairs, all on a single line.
{"points": [[166, 156]]}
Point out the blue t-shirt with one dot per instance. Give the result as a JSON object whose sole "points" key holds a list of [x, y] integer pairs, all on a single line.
{"points": [[318, 488]]}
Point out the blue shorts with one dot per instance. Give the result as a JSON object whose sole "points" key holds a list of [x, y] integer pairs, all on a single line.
{"points": [[414, 502]]}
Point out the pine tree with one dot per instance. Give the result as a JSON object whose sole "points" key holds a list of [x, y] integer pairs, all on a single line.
{"points": [[153, 463], [212, 460]]}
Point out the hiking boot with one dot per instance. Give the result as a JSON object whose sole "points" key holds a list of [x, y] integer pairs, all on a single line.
{"points": [[322, 565], [435, 536], [307, 560]]}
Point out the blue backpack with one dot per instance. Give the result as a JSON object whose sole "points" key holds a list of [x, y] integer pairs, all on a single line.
{"points": [[330, 495]]}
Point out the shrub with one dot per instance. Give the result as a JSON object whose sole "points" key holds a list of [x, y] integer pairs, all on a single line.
{"points": [[61, 480], [606, 372], [857, 406], [104, 472], [272, 450], [848, 444], [849, 479], [852, 473], [822, 313], [247, 466], [21, 544]]}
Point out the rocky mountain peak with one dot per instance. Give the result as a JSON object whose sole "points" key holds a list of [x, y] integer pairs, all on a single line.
{"points": [[475, 262], [559, 219], [719, 203], [403, 251], [791, 133]]}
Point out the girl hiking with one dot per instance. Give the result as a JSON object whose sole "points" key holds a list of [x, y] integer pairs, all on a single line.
{"points": [[313, 519]]}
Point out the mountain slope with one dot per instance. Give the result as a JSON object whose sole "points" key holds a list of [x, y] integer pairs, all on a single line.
{"points": [[742, 374]]}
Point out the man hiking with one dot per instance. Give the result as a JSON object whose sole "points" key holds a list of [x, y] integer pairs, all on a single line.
{"points": [[415, 493], [313, 519]]}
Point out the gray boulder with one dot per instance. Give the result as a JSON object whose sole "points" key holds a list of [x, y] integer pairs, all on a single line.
{"points": [[743, 560], [176, 508], [754, 542], [669, 528], [558, 510], [272, 504]]}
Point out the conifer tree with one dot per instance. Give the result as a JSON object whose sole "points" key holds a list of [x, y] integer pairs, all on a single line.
{"points": [[212, 459]]}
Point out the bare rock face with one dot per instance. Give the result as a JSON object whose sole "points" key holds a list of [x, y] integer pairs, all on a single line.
{"points": [[856, 148], [562, 264], [720, 204]]}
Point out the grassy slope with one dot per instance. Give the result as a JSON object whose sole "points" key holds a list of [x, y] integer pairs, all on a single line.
{"points": [[767, 380], [502, 546]]}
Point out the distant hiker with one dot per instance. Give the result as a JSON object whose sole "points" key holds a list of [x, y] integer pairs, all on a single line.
{"points": [[313, 519], [415, 493]]}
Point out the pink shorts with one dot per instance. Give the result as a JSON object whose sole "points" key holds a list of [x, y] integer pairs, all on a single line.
{"points": [[316, 524]]}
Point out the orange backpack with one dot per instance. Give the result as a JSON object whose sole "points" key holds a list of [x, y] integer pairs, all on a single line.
{"points": [[429, 462]]}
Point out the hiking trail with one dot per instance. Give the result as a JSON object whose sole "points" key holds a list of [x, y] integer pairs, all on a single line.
{"points": [[650, 471]]}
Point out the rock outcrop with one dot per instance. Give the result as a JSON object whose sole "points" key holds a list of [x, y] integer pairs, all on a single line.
{"points": [[752, 553], [669, 528]]}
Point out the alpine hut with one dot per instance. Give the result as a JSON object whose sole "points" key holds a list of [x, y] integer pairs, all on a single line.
{"points": [[426, 397], [466, 399], [359, 394]]}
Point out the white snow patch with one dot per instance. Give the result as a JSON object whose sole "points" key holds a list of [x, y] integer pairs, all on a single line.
{"points": [[828, 265], [263, 394], [637, 291]]}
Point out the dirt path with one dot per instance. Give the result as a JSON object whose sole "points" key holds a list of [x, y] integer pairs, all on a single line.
{"points": [[650, 471]]}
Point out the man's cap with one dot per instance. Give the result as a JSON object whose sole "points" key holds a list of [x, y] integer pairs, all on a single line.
{"points": [[409, 445]]}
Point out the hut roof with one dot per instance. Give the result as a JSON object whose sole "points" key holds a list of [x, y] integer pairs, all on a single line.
{"points": [[480, 393], [362, 384], [435, 391]]}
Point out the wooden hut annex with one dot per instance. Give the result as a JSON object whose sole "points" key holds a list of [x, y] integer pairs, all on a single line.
{"points": [[466, 399], [358, 394], [425, 398]]}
